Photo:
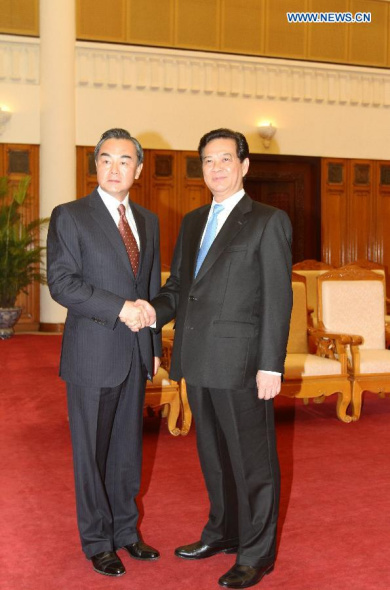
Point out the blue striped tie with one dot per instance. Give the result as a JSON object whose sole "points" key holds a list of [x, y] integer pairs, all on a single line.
{"points": [[209, 236]]}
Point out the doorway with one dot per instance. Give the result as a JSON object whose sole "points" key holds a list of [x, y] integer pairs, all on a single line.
{"points": [[293, 184]]}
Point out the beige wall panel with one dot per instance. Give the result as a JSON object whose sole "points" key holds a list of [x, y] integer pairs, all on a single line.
{"points": [[368, 41], [151, 22], [20, 17], [328, 42], [282, 38], [239, 32], [197, 24], [101, 20]]}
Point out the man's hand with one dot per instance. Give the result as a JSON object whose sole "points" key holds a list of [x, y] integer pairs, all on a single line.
{"points": [[133, 316], [268, 385], [148, 311]]}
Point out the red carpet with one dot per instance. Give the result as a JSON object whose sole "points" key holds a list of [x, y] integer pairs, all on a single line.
{"points": [[335, 513]]}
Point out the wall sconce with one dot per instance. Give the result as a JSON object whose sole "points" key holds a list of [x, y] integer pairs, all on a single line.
{"points": [[5, 115], [266, 132]]}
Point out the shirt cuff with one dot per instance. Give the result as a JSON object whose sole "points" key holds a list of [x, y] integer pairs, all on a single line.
{"points": [[271, 372]]}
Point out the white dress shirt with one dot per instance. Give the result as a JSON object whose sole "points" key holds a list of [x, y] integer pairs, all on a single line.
{"points": [[112, 205]]}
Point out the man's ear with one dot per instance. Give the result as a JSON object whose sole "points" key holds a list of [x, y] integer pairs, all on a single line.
{"points": [[138, 171], [245, 167]]}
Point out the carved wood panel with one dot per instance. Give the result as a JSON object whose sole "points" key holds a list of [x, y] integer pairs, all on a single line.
{"points": [[355, 200], [162, 174], [382, 215], [360, 210], [334, 212]]}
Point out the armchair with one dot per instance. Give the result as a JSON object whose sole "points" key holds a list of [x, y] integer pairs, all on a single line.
{"points": [[314, 375], [311, 269], [352, 301]]}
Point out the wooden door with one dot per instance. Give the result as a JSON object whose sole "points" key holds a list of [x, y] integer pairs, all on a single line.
{"points": [[293, 185]]}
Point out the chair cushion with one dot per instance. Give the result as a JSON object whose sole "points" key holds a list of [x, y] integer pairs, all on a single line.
{"points": [[375, 361], [309, 365], [355, 307]]}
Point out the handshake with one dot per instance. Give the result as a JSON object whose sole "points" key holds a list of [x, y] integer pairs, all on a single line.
{"points": [[137, 314]]}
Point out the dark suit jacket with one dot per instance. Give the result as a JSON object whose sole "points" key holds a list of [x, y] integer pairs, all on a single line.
{"points": [[89, 273], [233, 319]]}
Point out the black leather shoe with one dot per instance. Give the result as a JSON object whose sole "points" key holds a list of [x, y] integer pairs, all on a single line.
{"points": [[243, 576], [108, 564], [200, 550], [140, 550]]}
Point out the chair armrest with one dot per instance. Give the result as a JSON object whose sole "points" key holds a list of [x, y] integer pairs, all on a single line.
{"points": [[345, 339], [332, 345]]}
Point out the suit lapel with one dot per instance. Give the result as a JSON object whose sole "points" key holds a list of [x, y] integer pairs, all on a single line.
{"points": [[232, 226], [195, 237], [101, 215]]}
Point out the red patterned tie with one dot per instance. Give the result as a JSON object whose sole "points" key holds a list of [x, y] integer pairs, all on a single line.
{"points": [[128, 239]]}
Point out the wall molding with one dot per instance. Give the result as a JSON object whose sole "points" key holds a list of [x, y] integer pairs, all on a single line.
{"points": [[127, 67], [230, 76], [19, 60]]}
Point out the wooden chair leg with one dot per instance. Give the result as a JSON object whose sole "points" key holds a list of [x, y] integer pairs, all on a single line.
{"points": [[173, 416], [343, 401], [186, 412], [356, 400]]}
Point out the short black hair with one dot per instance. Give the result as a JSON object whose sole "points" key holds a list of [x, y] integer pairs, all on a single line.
{"points": [[240, 139], [118, 133]]}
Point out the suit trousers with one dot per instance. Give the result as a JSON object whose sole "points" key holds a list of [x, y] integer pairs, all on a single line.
{"points": [[237, 450], [106, 431]]}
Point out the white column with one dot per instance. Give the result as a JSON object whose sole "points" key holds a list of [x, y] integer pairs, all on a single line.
{"points": [[57, 151]]}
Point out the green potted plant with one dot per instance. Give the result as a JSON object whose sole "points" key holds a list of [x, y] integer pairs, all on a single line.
{"points": [[20, 251]]}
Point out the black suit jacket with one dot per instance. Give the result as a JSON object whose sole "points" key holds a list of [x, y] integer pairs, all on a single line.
{"points": [[89, 273], [233, 318]]}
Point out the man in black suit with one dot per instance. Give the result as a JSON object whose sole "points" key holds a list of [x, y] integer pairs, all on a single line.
{"points": [[232, 304], [103, 254]]}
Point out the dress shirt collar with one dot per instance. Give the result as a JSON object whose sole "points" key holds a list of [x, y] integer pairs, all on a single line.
{"points": [[230, 202], [112, 203]]}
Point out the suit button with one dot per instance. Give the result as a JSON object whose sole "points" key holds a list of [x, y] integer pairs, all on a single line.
{"points": [[192, 298]]}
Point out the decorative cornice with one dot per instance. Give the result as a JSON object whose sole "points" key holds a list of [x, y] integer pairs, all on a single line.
{"points": [[19, 60], [127, 67], [223, 75]]}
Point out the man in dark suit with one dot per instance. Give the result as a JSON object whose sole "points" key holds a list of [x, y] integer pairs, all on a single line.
{"points": [[103, 254], [232, 298]]}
